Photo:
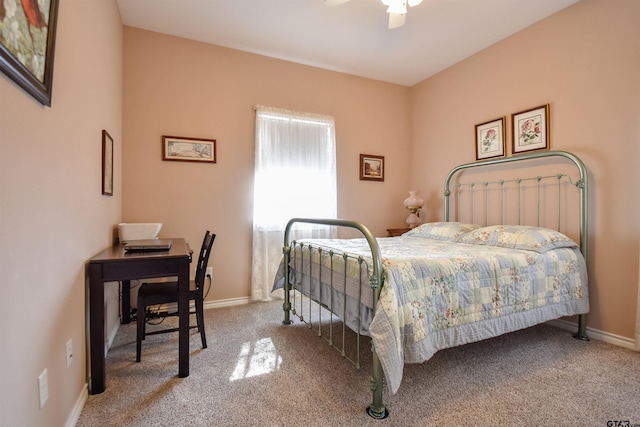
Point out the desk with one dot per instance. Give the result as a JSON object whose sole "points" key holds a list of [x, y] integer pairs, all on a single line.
{"points": [[113, 265]]}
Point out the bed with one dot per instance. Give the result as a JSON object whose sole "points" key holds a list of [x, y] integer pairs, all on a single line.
{"points": [[461, 280]]}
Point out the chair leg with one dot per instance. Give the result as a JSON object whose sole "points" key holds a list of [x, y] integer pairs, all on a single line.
{"points": [[144, 325], [200, 320]]}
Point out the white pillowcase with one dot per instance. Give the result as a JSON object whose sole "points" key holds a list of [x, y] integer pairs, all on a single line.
{"points": [[441, 230], [518, 237]]}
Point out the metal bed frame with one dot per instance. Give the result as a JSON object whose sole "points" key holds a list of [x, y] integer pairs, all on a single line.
{"points": [[377, 408]]}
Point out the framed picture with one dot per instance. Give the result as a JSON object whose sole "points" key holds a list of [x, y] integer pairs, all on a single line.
{"points": [[531, 129], [27, 44], [371, 167], [490, 139], [107, 164], [188, 149]]}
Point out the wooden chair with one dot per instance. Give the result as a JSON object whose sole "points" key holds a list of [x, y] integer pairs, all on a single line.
{"points": [[165, 292]]}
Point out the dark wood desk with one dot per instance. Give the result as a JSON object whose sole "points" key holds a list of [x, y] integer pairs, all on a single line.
{"points": [[113, 265]]}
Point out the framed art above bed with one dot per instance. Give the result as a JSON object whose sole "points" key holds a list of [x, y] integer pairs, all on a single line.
{"points": [[490, 139], [530, 129]]}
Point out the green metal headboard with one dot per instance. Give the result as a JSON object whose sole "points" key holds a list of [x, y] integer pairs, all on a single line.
{"points": [[581, 185]]}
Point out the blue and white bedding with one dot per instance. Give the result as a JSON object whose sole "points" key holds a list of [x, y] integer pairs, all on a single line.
{"points": [[447, 284]]}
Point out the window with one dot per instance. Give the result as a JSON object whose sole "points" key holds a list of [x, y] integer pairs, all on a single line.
{"points": [[295, 176]]}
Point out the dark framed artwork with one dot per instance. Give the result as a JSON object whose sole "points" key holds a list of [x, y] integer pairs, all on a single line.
{"points": [[27, 45], [490, 139], [371, 167], [188, 149], [107, 164], [530, 129]]}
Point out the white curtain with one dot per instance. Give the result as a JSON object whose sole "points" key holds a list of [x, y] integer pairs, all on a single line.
{"points": [[295, 176]]}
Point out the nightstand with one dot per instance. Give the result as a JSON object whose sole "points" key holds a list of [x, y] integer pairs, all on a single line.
{"points": [[393, 232]]}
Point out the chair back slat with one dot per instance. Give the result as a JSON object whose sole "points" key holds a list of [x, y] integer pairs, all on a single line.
{"points": [[203, 260]]}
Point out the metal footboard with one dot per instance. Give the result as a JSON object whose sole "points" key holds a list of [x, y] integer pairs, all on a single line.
{"points": [[376, 409]]}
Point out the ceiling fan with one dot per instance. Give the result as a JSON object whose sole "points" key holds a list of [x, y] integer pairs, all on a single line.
{"points": [[397, 9]]}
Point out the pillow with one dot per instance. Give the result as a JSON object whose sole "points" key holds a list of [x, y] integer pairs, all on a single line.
{"points": [[518, 237], [441, 230]]}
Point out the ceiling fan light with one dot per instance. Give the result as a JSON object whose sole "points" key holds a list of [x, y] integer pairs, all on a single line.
{"points": [[397, 8], [414, 2]]}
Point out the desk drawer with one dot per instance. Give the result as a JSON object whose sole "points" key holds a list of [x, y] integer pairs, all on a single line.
{"points": [[141, 269]]}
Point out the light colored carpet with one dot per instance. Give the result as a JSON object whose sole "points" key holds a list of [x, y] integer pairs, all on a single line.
{"points": [[258, 372]]}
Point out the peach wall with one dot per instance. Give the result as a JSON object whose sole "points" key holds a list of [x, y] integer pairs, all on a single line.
{"points": [[52, 214], [174, 86], [584, 61]]}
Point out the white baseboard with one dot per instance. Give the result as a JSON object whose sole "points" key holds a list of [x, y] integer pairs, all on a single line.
{"points": [[173, 307], [596, 334], [226, 302], [77, 408]]}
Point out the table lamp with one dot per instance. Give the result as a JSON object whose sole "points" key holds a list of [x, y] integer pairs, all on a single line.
{"points": [[414, 204]]}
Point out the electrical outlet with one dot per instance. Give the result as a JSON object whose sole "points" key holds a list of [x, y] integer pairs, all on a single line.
{"points": [[69, 352], [209, 272], [43, 387]]}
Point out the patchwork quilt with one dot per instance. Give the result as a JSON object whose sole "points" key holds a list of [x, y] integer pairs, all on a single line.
{"points": [[445, 287]]}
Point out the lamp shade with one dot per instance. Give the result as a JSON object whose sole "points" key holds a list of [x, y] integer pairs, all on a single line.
{"points": [[413, 201]]}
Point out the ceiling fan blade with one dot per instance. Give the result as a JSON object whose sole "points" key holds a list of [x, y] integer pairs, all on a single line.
{"points": [[396, 20], [332, 3]]}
